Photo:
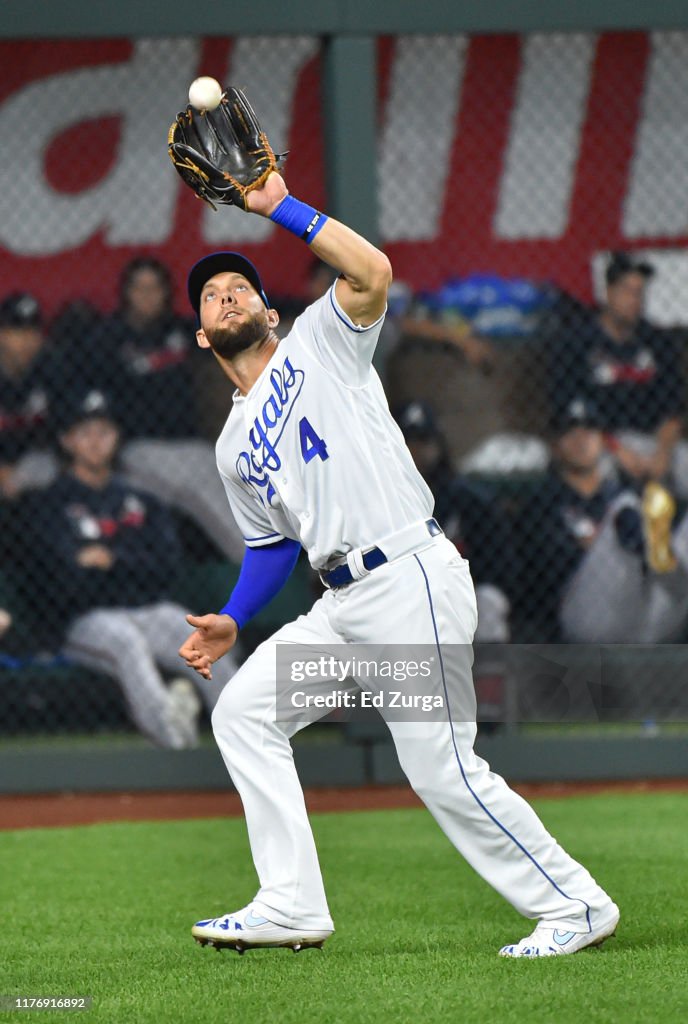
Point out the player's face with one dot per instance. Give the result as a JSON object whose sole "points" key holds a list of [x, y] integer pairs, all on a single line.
{"points": [[579, 449], [626, 298], [92, 443], [233, 315]]}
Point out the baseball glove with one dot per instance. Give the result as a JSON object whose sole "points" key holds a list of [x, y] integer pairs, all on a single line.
{"points": [[222, 154]]}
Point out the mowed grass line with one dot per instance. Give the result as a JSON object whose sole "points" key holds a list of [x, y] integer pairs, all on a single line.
{"points": [[105, 911]]}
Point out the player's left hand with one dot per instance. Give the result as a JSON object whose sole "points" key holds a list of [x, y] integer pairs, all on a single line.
{"points": [[265, 199], [213, 636], [224, 154]]}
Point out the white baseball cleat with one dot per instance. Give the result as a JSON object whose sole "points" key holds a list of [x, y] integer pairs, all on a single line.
{"points": [[248, 929], [546, 941]]}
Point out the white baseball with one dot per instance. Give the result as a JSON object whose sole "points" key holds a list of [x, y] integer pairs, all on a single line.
{"points": [[205, 93]]}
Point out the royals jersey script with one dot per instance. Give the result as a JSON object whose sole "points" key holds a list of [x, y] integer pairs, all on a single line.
{"points": [[312, 451]]}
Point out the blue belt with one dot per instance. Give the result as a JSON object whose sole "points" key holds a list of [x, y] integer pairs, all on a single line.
{"points": [[372, 558]]}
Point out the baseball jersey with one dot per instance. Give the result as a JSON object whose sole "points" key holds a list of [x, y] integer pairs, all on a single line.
{"points": [[68, 516], [312, 452], [635, 385], [153, 389]]}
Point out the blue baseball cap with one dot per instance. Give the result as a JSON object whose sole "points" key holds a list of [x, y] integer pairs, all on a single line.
{"points": [[219, 263]]}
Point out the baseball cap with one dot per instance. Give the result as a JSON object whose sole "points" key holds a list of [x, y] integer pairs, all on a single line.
{"points": [[580, 412], [93, 405], [622, 263], [20, 309], [417, 420], [219, 263]]}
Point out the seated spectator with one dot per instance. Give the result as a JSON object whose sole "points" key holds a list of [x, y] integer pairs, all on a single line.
{"points": [[105, 553], [472, 522], [155, 347], [25, 458], [598, 563], [72, 328], [631, 372], [142, 355]]}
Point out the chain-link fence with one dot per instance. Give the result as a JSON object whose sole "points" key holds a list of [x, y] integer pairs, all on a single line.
{"points": [[532, 198]]}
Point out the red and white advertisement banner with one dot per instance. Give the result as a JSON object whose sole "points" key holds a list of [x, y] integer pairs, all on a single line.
{"points": [[517, 155]]}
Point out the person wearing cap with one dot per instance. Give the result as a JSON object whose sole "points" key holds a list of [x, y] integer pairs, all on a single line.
{"points": [[632, 372], [104, 553], [597, 564], [25, 458], [311, 457], [142, 356]]}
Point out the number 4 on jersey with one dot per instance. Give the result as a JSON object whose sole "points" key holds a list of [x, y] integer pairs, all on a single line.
{"points": [[311, 443]]}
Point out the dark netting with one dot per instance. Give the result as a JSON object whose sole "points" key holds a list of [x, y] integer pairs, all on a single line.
{"points": [[531, 196], [535, 348]]}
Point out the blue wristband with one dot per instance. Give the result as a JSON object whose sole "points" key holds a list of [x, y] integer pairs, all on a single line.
{"points": [[302, 220]]}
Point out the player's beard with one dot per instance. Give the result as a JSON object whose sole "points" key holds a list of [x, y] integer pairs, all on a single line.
{"points": [[229, 338]]}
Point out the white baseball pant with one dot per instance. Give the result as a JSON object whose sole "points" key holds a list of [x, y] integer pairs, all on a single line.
{"points": [[426, 597]]}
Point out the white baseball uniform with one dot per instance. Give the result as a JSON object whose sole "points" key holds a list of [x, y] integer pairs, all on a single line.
{"points": [[312, 453]]}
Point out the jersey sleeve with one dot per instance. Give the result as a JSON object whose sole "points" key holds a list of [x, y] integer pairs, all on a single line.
{"points": [[343, 348], [255, 526]]}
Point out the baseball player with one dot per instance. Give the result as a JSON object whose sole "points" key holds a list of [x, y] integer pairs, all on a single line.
{"points": [[113, 550], [311, 457]]}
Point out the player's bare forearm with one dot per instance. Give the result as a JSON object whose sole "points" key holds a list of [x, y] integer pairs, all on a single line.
{"points": [[367, 273]]}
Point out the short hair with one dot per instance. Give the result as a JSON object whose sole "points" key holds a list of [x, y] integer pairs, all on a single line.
{"points": [[622, 263]]}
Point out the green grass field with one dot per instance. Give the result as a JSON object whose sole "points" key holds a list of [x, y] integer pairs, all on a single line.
{"points": [[105, 911]]}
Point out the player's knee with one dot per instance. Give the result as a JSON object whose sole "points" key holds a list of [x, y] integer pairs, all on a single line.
{"points": [[220, 716], [418, 769], [446, 777], [229, 717]]}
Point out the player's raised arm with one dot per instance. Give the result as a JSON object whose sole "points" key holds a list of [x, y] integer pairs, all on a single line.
{"points": [[366, 271], [225, 157]]}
